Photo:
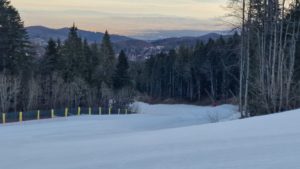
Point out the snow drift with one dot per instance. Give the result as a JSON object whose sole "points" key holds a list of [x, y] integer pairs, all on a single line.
{"points": [[161, 137]]}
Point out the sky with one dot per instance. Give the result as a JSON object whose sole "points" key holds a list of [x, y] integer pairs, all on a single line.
{"points": [[126, 17]]}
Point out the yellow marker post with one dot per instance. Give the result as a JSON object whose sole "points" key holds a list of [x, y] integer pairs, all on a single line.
{"points": [[66, 112], [109, 111], [38, 115], [3, 118], [90, 111], [100, 111], [20, 117], [52, 113], [79, 111]]}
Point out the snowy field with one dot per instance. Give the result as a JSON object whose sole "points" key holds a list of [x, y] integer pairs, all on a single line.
{"points": [[161, 137]]}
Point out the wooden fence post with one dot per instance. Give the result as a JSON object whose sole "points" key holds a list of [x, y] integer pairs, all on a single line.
{"points": [[3, 118], [38, 115], [20, 117], [52, 113], [66, 112], [79, 111], [100, 110]]}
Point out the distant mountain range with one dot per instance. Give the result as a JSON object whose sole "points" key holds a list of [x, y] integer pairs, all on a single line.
{"points": [[135, 49], [165, 34]]}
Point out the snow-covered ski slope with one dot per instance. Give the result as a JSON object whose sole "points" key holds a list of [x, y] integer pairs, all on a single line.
{"points": [[161, 137]]}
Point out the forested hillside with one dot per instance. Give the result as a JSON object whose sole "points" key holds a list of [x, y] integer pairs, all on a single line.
{"points": [[135, 49], [206, 71]]}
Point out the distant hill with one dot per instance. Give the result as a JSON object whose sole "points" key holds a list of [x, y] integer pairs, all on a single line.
{"points": [[134, 48], [44, 33], [185, 41]]}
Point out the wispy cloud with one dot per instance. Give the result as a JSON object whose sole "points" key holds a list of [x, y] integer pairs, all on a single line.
{"points": [[124, 16]]}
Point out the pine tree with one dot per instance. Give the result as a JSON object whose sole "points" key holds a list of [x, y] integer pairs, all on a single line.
{"points": [[108, 59], [121, 78], [50, 60], [88, 62], [106, 47], [14, 46], [72, 59]]}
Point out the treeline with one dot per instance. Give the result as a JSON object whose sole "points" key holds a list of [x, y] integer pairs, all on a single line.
{"points": [[208, 70], [72, 73], [75, 73]]}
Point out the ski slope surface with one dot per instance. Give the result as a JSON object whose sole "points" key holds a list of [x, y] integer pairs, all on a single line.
{"points": [[160, 137]]}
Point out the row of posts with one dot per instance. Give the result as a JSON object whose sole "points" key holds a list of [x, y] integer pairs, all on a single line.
{"points": [[66, 113]]}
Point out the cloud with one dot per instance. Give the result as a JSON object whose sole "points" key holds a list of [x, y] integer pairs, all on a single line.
{"points": [[124, 16]]}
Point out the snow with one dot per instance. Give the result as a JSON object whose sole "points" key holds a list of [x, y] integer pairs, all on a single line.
{"points": [[161, 137]]}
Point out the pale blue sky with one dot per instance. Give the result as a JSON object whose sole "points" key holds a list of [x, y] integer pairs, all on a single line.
{"points": [[128, 17]]}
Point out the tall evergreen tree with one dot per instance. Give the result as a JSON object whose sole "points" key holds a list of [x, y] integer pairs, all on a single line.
{"points": [[121, 77], [50, 60], [88, 61], [14, 46], [107, 48], [108, 59], [72, 59]]}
